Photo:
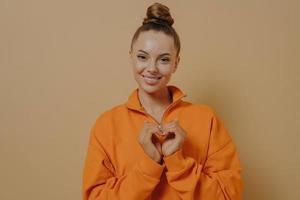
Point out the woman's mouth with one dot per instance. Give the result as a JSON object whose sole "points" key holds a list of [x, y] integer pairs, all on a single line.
{"points": [[151, 80]]}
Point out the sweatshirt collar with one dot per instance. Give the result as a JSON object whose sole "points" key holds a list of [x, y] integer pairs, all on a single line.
{"points": [[133, 101]]}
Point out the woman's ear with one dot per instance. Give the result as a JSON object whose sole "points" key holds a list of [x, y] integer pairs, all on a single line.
{"points": [[176, 64], [130, 53], [130, 56]]}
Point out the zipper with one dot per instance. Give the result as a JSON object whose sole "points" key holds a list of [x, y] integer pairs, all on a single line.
{"points": [[163, 117]]}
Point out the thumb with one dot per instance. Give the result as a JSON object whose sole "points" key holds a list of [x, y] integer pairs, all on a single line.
{"points": [[176, 120], [158, 147]]}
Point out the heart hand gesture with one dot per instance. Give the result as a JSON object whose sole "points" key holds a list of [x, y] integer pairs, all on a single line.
{"points": [[157, 143], [148, 142], [175, 138]]}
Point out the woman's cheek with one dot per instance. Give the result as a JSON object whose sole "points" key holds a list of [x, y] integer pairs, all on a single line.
{"points": [[140, 66], [165, 70]]}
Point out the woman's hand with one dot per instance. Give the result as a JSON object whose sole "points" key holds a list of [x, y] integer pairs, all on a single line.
{"points": [[149, 143], [175, 138]]}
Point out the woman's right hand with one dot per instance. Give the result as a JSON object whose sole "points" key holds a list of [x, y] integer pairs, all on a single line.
{"points": [[149, 144]]}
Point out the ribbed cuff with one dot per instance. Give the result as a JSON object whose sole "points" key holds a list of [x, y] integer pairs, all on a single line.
{"points": [[175, 162], [150, 167]]}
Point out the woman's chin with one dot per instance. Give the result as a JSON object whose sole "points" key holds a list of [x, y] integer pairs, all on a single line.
{"points": [[150, 89]]}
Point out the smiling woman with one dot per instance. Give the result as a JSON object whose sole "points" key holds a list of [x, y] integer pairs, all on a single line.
{"points": [[156, 145], [154, 60]]}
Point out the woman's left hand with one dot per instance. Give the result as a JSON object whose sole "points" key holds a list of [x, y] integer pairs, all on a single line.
{"points": [[175, 138]]}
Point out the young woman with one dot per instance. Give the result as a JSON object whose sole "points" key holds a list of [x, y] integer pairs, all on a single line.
{"points": [[156, 145]]}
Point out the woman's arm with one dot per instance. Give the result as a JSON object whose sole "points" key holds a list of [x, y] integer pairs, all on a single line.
{"points": [[219, 178], [100, 181]]}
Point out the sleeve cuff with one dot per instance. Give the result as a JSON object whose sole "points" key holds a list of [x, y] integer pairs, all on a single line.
{"points": [[150, 167], [175, 162]]}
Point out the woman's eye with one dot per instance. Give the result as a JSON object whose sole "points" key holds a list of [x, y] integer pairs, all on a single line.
{"points": [[141, 57], [165, 60]]}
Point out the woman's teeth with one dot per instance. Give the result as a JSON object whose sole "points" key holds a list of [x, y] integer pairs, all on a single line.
{"points": [[149, 77], [151, 80]]}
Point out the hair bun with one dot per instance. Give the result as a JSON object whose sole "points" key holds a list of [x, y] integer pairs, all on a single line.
{"points": [[159, 14]]}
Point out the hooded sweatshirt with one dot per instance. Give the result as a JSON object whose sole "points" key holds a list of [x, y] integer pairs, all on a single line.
{"points": [[206, 167]]}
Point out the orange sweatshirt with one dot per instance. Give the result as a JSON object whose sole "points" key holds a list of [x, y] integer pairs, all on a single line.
{"points": [[116, 167]]}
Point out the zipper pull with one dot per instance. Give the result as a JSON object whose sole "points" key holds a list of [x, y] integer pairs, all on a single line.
{"points": [[160, 127]]}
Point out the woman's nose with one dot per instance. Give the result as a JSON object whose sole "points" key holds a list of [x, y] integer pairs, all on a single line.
{"points": [[152, 68]]}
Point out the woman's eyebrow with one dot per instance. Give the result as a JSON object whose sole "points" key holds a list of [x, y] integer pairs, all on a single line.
{"points": [[143, 51], [163, 54]]}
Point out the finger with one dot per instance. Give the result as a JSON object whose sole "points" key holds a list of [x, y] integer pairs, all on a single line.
{"points": [[178, 133], [169, 125], [150, 132], [160, 138], [149, 122], [146, 123], [170, 130], [176, 121], [154, 129], [158, 147], [168, 147], [149, 125]]}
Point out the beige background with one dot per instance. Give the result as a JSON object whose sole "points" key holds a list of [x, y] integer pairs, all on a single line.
{"points": [[64, 62]]}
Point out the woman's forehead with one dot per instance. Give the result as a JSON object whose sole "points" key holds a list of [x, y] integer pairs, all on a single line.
{"points": [[154, 42]]}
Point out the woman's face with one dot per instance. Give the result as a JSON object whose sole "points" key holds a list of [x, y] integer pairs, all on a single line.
{"points": [[154, 59]]}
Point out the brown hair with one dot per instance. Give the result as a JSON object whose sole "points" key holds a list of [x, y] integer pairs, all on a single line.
{"points": [[158, 19]]}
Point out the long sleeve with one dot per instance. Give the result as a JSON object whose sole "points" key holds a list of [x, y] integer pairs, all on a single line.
{"points": [[218, 178], [100, 181]]}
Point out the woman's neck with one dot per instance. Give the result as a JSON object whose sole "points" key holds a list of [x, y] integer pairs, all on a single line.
{"points": [[157, 101]]}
